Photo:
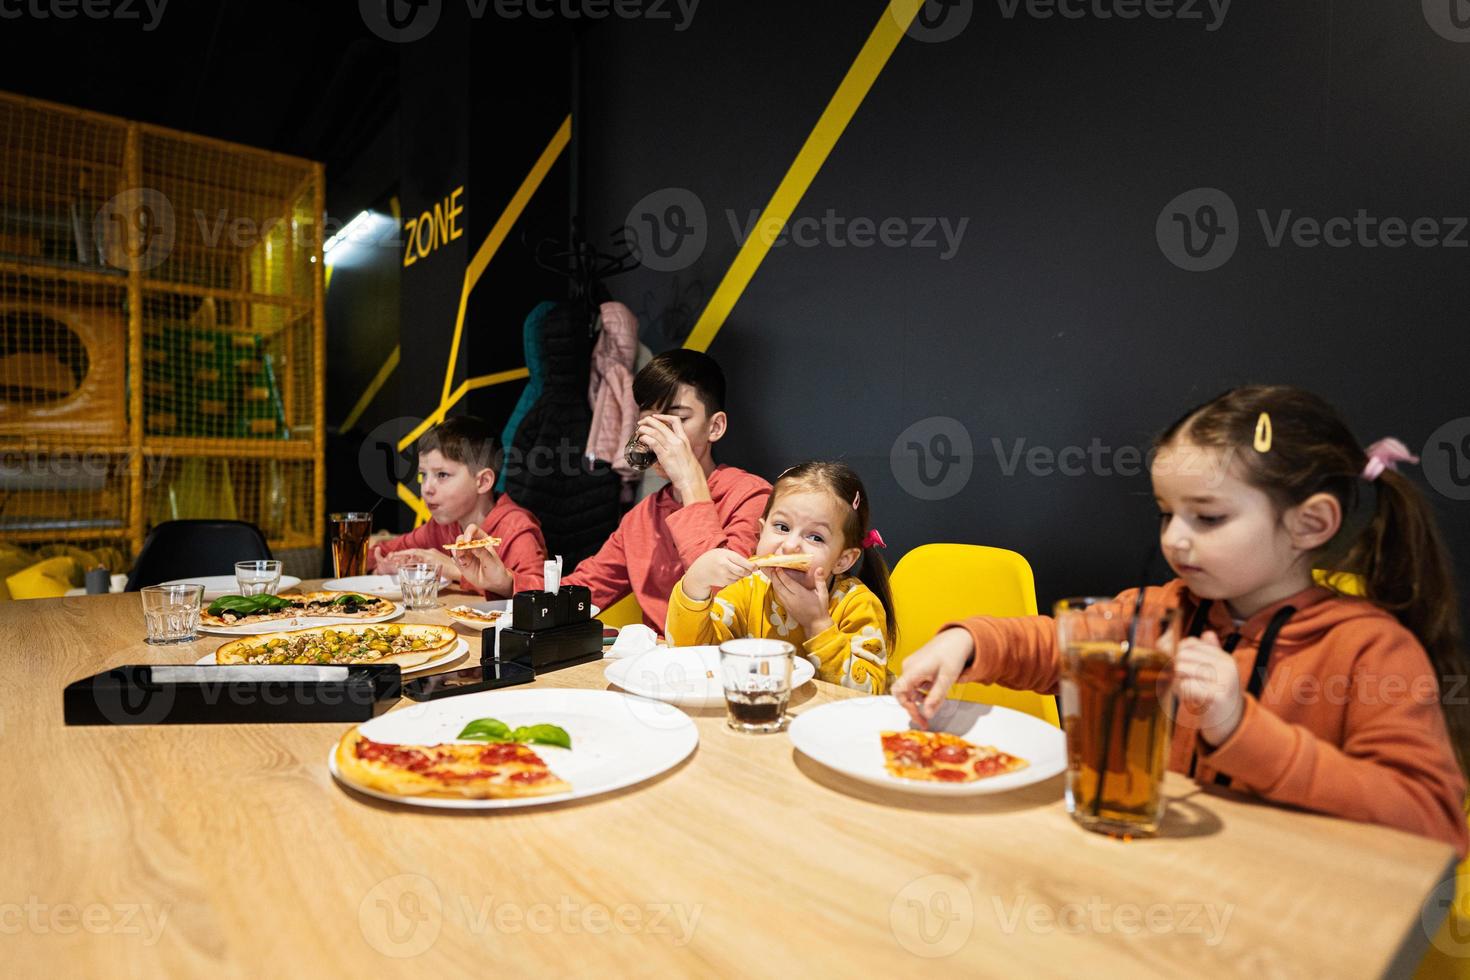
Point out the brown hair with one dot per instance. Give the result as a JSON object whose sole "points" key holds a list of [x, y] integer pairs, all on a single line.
{"points": [[657, 385], [842, 482], [465, 439], [1389, 537]]}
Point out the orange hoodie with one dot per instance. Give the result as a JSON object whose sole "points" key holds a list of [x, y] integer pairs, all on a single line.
{"points": [[1348, 722]]}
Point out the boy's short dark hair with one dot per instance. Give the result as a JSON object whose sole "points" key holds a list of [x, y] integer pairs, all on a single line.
{"points": [[465, 439], [657, 385]]}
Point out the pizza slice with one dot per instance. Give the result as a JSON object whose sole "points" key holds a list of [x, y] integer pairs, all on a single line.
{"points": [[407, 645], [500, 770], [798, 562], [944, 758], [474, 545]]}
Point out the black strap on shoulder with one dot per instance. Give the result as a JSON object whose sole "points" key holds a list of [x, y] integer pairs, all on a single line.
{"points": [[1262, 665]]}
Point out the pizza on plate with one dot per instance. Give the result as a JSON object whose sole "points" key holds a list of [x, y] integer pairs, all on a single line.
{"points": [[499, 770], [234, 610], [472, 545], [799, 563], [478, 615], [943, 758], [406, 645]]}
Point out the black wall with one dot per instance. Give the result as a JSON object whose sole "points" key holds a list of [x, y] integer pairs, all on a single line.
{"points": [[1060, 320]]}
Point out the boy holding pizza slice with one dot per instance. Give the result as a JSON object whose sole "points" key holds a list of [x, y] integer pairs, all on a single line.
{"points": [[458, 462], [681, 403]]}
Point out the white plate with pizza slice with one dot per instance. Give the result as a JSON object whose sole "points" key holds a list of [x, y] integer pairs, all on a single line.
{"points": [[616, 741], [479, 615], [459, 649], [848, 736], [686, 676]]}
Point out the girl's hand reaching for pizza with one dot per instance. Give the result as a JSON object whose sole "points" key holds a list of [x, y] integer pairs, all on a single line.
{"points": [[482, 568], [930, 671]]}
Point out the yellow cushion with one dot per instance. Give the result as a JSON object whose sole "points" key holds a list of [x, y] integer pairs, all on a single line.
{"points": [[48, 579]]}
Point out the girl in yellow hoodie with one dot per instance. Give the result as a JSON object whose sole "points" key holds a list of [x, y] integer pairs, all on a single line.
{"points": [[1287, 689], [839, 621]]}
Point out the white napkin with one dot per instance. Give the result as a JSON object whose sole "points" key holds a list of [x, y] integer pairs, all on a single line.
{"points": [[633, 639]]}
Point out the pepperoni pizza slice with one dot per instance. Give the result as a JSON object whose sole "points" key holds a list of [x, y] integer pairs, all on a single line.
{"points": [[500, 770], [944, 758]]}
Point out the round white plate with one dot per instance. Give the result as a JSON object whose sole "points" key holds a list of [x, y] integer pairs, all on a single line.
{"points": [[686, 676], [613, 742], [383, 585], [459, 650], [218, 585], [298, 623], [844, 735]]}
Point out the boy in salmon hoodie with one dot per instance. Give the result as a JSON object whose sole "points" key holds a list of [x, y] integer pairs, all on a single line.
{"points": [[458, 461], [1286, 689], [681, 404]]}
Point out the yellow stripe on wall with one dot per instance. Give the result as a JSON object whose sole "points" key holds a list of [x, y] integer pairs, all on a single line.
{"points": [[829, 128]]}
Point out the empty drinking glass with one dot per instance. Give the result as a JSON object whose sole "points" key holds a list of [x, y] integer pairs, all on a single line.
{"points": [[255, 577], [420, 584], [171, 612]]}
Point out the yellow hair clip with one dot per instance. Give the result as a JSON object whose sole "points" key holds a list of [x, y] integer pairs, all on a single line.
{"points": [[1263, 433]]}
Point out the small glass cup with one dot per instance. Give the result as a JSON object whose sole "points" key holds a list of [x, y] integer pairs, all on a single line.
{"points": [[255, 577], [171, 612], [1117, 670], [756, 675], [639, 456], [420, 584]]}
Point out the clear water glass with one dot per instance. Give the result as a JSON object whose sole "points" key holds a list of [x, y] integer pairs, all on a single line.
{"points": [[255, 577], [420, 584], [171, 612]]}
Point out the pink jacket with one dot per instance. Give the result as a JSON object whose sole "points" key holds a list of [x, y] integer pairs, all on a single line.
{"points": [[614, 413]]}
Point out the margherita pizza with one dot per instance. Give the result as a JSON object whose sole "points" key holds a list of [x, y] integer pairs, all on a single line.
{"points": [[248, 610], [406, 645], [943, 758], [500, 770]]}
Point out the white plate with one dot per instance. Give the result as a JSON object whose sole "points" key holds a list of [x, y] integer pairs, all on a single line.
{"points": [[383, 585], [686, 676], [843, 735], [614, 742], [298, 623], [218, 585], [459, 650]]}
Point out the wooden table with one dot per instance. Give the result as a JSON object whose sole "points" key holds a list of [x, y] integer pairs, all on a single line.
{"points": [[229, 850]]}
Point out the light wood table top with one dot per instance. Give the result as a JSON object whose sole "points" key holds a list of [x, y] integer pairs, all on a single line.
{"points": [[230, 850]]}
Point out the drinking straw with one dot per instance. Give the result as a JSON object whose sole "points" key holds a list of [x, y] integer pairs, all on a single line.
{"points": [[1127, 692]]}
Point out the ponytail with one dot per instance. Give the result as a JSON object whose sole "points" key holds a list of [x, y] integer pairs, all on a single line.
{"points": [[873, 572], [1401, 558]]}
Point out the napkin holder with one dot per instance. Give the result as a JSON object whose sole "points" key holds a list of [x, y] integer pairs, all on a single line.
{"points": [[246, 694], [551, 630]]}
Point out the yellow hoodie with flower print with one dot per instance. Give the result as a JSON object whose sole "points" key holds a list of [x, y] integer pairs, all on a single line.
{"points": [[853, 651]]}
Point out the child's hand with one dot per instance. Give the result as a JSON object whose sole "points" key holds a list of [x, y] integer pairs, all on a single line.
{"points": [[1207, 681], [664, 435], [482, 567], [930, 671], [804, 596], [714, 570]]}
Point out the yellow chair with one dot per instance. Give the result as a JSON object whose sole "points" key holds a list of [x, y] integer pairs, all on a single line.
{"points": [[1446, 956], [623, 612], [938, 583]]}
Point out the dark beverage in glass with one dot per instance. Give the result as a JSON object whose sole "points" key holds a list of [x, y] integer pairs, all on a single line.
{"points": [[350, 532]]}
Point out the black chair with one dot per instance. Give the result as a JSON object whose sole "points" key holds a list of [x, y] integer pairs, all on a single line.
{"points": [[177, 549]]}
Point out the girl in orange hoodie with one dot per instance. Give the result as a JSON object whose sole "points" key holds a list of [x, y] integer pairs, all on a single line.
{"points": [[1289, 690]]}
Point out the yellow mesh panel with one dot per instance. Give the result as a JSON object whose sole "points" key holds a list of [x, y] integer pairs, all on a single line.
{"points": [[130, 254]]}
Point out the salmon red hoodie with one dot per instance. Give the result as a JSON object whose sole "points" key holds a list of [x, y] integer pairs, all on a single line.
{"points": [[1348, 723]]}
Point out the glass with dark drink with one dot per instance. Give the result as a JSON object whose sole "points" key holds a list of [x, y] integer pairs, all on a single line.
{"points": [[1117, 669], [639, 456], [350, 532], [756, 675]]}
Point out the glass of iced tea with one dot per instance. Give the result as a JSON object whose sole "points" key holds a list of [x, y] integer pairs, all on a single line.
{"points": [[350, 532], [1117, 669], [756, 675]]}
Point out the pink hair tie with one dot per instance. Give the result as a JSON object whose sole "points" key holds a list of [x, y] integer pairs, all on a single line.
{"points": [[874, 540], [1386, 454]]}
